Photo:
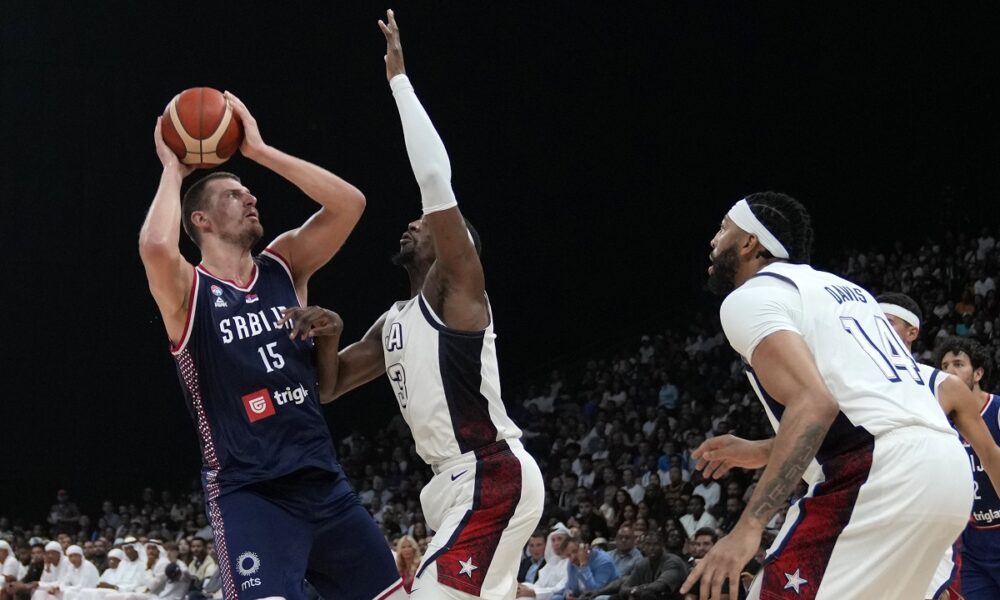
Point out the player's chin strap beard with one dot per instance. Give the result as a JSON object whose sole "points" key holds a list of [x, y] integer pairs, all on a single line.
{"points": [[743, 217]]}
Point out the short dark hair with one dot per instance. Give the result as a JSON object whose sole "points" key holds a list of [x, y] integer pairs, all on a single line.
{"points": [[903, 301], [540, 533], [707, 531], [787, 220], [977, 354], [196, 198]]}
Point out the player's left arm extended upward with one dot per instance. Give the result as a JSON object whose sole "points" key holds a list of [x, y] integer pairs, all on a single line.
{"points": [[313, 244], [455, 283]]}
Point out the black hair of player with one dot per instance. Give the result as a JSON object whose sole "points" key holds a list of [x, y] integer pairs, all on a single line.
{"points": [[787, 220], [196, 198], [903, 301], [977, 354]]}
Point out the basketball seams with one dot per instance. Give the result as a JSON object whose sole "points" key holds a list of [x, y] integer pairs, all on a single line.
{"points": [[188, 133]]}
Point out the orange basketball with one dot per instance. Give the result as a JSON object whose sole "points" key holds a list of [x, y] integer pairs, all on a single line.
{"points": [[200, 127]]}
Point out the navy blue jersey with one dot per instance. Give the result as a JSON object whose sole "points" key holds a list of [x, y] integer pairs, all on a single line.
{"points": [[983, 533], [250, 389]]}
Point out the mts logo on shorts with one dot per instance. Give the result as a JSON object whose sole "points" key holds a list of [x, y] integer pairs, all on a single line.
{"points": [[258, 405]]}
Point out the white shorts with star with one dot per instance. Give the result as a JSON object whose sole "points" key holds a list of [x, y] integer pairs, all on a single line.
{"points": [[483, 506]]}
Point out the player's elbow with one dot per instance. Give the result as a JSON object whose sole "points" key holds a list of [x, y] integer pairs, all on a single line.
{"points": [[152, 248], [823, 407]]}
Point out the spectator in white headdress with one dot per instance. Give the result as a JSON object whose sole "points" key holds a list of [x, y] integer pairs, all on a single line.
{"points": [[56, 565], [9, 566], [80, 574]]}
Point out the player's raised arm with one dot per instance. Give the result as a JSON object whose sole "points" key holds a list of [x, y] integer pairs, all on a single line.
{"points": [[786, 368], [339, 371], [457, 268], [967, 418], [169, 274], [312, 245]]}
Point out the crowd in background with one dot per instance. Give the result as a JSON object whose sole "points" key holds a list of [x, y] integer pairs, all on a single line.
{"points": [[613, 436]]}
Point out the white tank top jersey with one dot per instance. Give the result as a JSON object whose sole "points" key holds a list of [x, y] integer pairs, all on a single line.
{"points": [[447, 382], [865, 365]]}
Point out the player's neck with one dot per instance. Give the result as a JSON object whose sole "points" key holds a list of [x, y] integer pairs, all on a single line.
{"points": [[751, 268], [228, 263], [417, 275]]}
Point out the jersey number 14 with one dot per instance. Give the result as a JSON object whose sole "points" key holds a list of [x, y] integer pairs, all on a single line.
{"points": [[884, 348]]}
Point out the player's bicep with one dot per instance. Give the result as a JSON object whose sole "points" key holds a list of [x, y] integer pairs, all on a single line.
{"points": [[787, 371], [966, 415], [455, 252], [171, 279], [309, 247]]}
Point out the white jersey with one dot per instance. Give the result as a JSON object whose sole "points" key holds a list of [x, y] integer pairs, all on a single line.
{"points": [[872, 376], [447, 382]]}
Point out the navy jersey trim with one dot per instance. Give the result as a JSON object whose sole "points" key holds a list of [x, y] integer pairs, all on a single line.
{"points": [[440, 326], [230, 282], [931, 383], [776, 276], [460, 360]]}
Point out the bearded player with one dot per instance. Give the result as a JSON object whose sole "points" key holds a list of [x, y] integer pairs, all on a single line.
{"points": [[438, 350], [890, 486], [280, 506]]}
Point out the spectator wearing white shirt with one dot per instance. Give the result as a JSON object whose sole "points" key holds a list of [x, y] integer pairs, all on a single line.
{"points": [[708, 489], [9, 566], [633, 487], [56, 565], [80, 574], [587, 474], [697, 517]]}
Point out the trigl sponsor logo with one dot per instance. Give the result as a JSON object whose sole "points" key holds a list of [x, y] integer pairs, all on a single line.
{"points": [[296, 395], [258, 405]]}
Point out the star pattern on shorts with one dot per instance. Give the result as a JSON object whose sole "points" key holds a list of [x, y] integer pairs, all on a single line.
{"points": [[794, 581], [467, 567]]}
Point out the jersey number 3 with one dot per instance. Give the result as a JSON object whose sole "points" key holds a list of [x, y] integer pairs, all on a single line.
{"points": [[397, 375], [884, 348]]}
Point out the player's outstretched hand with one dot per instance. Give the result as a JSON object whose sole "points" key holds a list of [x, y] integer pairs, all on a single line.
{"points": [[312, 321], [716, 456], [725, 561], [253, 143], [393, 49], [168, 159]]}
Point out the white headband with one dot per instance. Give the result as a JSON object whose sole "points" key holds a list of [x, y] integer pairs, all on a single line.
{"points": [[898, 311], [744, 218]]}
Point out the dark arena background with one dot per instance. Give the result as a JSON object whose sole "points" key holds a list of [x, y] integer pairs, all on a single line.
{"points": [[594, 146]]}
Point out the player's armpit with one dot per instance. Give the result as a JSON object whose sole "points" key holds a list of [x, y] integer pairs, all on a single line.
{"points": [[358, 363], [171, 279], [969, 421]]}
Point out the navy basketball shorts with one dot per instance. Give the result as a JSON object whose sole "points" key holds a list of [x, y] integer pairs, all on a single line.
{"points": [[272, 536]]}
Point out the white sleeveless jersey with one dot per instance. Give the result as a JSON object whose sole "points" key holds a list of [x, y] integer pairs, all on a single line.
{"points": [[447, 382], [865, 365]]}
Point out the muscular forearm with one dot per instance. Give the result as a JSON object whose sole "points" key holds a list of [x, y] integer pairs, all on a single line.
{"points": [[328, 366], [802, 430], [427, 153], [328, 190], [162, 227]]}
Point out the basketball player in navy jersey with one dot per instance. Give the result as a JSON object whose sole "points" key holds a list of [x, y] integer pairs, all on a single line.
{"points": [[889, 487], [980, 574], [438, 351], [963, 407], [280, 506]]}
